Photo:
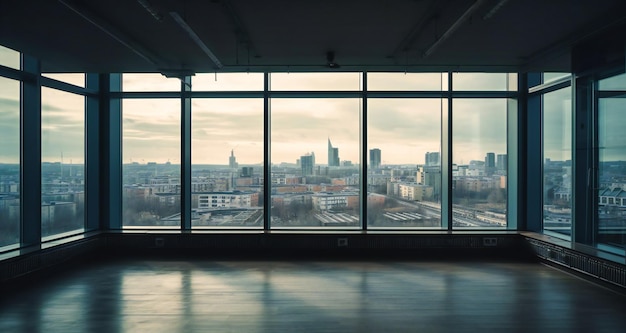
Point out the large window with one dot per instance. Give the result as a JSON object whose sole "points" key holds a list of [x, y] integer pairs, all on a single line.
{"points": [[611, 150], [404, 162], [9, 162], [62, 156], [479, 156], [557, 161], [227, 163], [151, 162], [315, 162]]}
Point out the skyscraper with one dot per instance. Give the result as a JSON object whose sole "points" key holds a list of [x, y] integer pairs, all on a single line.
{"points": [[333, 155], [502, 162], [307, 163], [432, 158], [232, 160], [490, 164], [375, 158]]}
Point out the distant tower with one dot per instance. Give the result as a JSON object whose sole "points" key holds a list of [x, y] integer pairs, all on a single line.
{"points": [[490, 164], [232, 160], [375, 158], [333, 155], [432, 158], [307, 163], [502, 162]]}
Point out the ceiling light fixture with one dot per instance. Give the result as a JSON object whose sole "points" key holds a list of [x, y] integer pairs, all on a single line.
{"points": [[192, 34], [453, 27]]}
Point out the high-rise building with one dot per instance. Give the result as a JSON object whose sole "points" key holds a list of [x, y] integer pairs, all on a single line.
{"points": [[490, 164], [432, 158], [307, 163], [232, 160], [246, 172], [502, 162], [375, 158], [333, 155]]}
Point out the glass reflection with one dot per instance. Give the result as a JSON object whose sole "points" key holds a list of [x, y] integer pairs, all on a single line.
{"points": [[62, 156], [151, 162], [557, 161], [404, 170], [227, 163], [479, 156], [611, 213], [315, 162], [9, 161]]}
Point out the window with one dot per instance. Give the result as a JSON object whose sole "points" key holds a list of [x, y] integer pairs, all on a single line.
{"points": [[62, 156], [9, 161], [9, 58], [407, 81], [227, 82], [315, 157], [483, 81], [149, 82], [77, 79], [227, 157], [151, 162], [404, 169], [315, 81], [611, 177], [557, 161], [480, 163]]}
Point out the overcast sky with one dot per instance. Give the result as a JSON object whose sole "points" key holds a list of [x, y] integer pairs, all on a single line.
{"points": [[404, 129]]}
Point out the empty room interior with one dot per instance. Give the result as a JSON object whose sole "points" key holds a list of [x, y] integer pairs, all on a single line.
{"points": [[312, 166]]}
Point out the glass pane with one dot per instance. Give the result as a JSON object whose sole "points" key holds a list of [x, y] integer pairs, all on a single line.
{"points": [[479, 158], [315, 81], [9, 162], [613, 83], [227, 82], [547, 77], [612, 172], [557, 161], [315, 162], [149, 82], [480, 81], [404, 171], [9, 58], [407, 81], [77, 79], [151, 162], [227, 163], [62, 156]]}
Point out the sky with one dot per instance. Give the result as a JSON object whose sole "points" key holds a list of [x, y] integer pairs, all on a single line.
{"points": [[404, 129]]}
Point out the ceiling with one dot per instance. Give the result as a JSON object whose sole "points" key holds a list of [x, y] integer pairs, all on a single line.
{"points": [[287, 35]]}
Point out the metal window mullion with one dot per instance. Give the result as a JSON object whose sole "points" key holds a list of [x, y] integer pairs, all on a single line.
{"points": [[364, 154], [30, 156], [446, 160], [267, 172], [111, 127], [185, 152], [92, 154]]}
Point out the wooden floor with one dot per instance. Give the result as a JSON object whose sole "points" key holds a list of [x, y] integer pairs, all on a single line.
{"points": [[313, 296]]}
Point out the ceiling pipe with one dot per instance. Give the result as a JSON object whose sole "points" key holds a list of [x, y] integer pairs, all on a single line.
{"points": [[455, 26], [150, 9], [495, 9], [192, 34], [112, 32]]}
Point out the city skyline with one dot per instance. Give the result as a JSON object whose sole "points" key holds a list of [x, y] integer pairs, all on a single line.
{"points": [[392, 127]]}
